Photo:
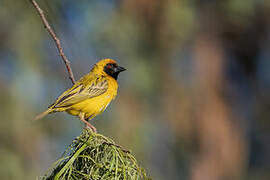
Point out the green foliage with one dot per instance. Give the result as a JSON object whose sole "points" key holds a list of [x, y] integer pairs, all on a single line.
{"points": [[92, 156]]}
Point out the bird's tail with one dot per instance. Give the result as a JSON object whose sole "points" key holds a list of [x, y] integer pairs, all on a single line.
{"points": [[41, 115]]}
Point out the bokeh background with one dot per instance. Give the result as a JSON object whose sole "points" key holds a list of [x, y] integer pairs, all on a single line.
{"points": [[194, 103]]}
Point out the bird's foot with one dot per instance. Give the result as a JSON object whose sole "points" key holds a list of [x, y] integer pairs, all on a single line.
{"points": [[90, 126], [87, 124]]}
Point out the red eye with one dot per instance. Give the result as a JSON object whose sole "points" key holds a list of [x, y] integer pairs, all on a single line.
{"points": [[109, 66]]}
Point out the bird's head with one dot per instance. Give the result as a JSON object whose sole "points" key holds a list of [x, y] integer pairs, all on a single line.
{"points": [[108, 67]]}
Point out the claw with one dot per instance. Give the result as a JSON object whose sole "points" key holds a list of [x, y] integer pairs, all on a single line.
{"points": [[90, 126]]}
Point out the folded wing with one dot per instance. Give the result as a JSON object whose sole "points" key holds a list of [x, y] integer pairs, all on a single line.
{"points": [[80, 92]]}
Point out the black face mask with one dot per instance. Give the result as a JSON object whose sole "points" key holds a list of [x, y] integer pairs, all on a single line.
{"points": [[113, 70]]}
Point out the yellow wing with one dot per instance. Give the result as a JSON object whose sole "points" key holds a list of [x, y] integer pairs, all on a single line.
{"points": [[84, 89]]}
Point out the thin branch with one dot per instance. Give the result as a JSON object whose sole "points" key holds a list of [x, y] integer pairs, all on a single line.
{"points": [[56, 40]]}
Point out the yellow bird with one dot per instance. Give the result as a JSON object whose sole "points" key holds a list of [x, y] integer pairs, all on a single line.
{"points": [[90, 95]]}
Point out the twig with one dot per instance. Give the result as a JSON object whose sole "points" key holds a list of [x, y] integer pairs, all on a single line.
{"points": [[55, 38]]}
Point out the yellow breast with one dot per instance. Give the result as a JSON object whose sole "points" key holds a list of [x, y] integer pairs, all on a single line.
{"points": [[96, 105]]}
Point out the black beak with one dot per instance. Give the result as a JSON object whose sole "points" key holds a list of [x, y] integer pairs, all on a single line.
{"points": [[119, 69]]}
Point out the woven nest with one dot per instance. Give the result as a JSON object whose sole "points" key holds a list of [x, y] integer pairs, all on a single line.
{"points": [[92, 156]]}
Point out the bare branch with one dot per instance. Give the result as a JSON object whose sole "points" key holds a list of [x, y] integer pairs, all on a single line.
{"points": [[55, 38]]}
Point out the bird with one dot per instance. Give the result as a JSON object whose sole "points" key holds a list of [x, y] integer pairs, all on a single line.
{"points": [[90, 95]]}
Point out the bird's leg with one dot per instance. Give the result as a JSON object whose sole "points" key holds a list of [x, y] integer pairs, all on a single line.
{"points": [[87, 124]]}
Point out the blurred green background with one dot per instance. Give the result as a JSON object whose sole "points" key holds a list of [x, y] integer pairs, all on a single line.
{"points": [[194, 103]]}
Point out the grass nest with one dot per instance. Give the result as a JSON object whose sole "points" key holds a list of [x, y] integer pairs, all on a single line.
{"points": [[92, 156]]}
